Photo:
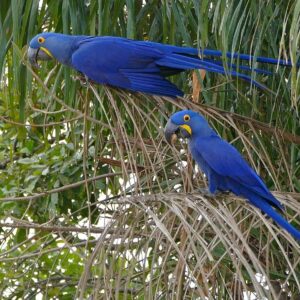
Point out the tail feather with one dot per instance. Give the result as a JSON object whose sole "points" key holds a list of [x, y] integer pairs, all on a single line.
{"points": [[267, 209], [178, 61], [239, 67], [218, 53], [247, 57]]}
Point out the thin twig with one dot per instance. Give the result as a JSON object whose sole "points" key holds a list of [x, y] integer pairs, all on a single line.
{"points": [[60, 189], [52, 228]]}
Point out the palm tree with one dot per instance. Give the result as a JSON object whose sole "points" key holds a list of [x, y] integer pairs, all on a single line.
{"points": [[95, 204]]}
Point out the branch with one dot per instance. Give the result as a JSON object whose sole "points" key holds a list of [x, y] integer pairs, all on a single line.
{"points": [[52, 228], [118, 163], [60, 189]]}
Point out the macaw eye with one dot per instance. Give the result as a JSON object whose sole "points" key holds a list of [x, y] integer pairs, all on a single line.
{"points": [[186, 118], [41, 40]]}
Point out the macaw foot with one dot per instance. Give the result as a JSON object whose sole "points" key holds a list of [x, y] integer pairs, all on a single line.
{"points": [[84, 80], [206, 192]]}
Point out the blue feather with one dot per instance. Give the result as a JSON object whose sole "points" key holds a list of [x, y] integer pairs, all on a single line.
{"points": [[240, 67], [230, 169], [226, 169], [142, 66], [267, 209]]}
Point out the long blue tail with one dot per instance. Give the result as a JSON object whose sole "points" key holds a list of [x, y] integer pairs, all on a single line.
{"points": [[183, 62], [177, 59], [217, 53], [247, 57], [238, 67], [266, 208]]}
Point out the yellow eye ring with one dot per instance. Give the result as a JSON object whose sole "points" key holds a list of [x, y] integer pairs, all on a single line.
{"points": [[186, 118], [41, 40]]}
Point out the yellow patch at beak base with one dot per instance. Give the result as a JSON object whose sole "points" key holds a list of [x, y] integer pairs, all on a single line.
{"points": [[47, 51], [187, 128]]}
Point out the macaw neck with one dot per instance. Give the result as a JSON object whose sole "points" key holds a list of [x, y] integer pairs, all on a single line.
{"points": [[197, 137], [202, 130], [65, 47]]}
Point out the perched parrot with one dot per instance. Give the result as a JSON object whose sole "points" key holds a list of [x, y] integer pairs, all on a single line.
{"points": [[224, 166], [138, 66]]}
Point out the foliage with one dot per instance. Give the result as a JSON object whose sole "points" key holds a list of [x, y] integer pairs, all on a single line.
{"points": [[94, 203]]}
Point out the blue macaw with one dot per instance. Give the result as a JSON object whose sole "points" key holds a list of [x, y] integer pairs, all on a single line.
{"points": [[224, 166], [138, 66]]}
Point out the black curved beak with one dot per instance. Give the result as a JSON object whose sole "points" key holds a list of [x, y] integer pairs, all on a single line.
{"points": [[37, 54], [171, 129]]}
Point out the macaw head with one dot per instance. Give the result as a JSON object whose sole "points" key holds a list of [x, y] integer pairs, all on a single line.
{"points": [[189, 123], [50, 45]]}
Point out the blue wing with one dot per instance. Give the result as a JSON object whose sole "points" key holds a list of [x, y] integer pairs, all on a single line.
{"points": [[142, 66], [123, 63], [227, 169]]}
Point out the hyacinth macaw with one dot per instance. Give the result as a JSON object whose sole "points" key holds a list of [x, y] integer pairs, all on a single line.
{"points": [[138, 66], [224, 166]]}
